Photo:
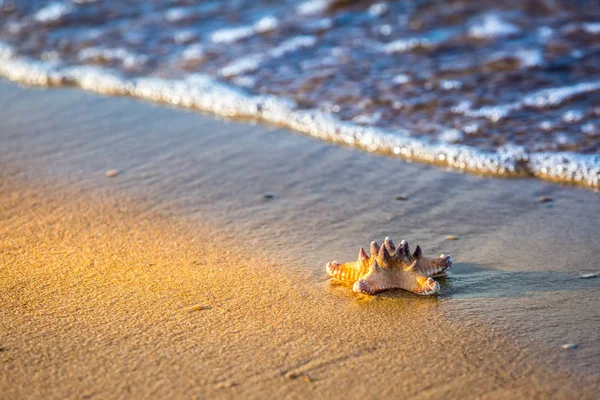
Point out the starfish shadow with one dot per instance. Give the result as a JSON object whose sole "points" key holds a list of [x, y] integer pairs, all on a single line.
{"points": [[469, 280]]}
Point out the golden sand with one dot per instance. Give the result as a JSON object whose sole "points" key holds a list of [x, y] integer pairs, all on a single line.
{"points": [[102, 298]]}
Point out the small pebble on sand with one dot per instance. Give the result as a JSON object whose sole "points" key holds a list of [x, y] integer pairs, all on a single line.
{"points": [[292, 375], [569, 346], [198, 307], [297, 375], [588, 276], [451, 237], [226, 385], [111, 173], [545, 199], [401, 198]]}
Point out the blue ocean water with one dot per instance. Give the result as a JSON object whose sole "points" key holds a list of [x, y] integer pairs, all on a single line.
{"points": [[497, 87]]}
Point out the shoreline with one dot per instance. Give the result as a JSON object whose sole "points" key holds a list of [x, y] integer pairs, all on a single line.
{"points": [[189, 185], [205, 94]]}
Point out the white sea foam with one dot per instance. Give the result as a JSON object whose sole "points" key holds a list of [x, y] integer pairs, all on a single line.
{"points": [[367, 119], [404, 45], [555, 96], [530, 57], [386, 30], [492, 26], [241, 65], [401, 79], [193, 52], [545, 32], [244, 81], [205, 93], [471, 128], [378, 9], [572, 116], [184, 37], [589, 129], [53, 12], [266, 24], [121, 55], [450, 84], [178, 14], [293, 44], [451, 136], [230, 35], [312, 7], [541, 99], [591, 27], [545, 126], [428, 40], [253, 62]]}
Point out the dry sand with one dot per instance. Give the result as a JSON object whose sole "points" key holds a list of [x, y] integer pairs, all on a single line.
{"points": [[178, 278]]}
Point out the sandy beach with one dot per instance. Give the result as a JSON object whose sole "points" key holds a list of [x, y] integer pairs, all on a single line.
{"points": [[198, 271]]}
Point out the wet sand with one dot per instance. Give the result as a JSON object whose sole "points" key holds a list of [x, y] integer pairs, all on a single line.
{"points": [[179, 278]]}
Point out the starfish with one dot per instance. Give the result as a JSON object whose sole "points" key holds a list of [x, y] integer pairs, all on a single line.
{"points": [[389, 267]]}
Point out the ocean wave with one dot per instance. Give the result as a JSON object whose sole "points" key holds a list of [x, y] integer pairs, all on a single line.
{"points": [[541, 99], [204, 93], [230, 35], [253, 62]]}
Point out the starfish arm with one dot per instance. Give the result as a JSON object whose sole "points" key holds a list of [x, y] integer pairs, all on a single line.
{"points": [[435, 267], [412, 281], [348, 272], [373, 283], [425, 286]]}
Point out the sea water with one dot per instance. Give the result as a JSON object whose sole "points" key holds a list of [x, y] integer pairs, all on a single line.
{"points": [[496, 87]]}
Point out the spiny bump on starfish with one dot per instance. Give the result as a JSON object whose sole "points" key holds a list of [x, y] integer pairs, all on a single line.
{"points": [[384, 254], [390, 245], [362, 254], [374, 249], [417, 254], [375, 267], [404, 248]]}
